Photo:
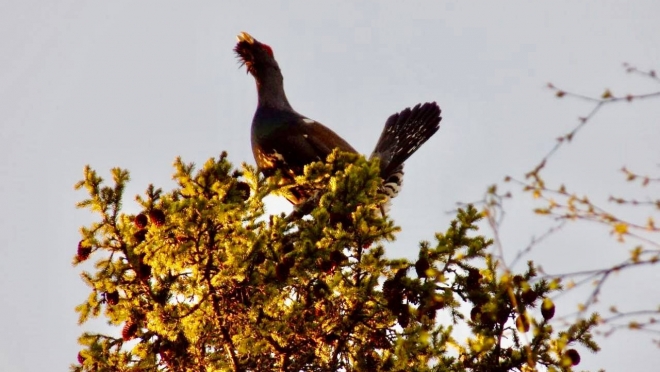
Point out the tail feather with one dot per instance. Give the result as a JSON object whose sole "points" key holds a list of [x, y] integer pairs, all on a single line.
{"points": [[391, 186], [403, 134]]}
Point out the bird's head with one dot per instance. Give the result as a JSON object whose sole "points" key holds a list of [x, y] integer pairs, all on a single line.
{"points": [[256, 56]]}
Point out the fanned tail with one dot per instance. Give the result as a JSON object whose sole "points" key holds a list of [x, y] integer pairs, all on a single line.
{"points": [[403, 134]]}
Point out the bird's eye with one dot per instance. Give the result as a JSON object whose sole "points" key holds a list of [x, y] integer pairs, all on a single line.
{"points": [[268, 49]]}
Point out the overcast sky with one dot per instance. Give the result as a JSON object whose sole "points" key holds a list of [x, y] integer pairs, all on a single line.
{"points": [[136, 83]]}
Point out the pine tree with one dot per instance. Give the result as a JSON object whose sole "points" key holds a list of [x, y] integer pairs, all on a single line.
{"points": [[202, 280]]}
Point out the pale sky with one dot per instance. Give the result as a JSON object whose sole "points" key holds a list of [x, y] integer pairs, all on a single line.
{"points": [[135, 84]]}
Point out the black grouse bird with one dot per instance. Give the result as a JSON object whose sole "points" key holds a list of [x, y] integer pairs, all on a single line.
{"points": [[285, 140]]}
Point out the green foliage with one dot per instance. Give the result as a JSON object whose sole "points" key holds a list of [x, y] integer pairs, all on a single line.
{"points": [[203, 280]]}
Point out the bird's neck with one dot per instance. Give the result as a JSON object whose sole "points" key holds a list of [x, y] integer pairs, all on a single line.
{"points": [[270, 88]]}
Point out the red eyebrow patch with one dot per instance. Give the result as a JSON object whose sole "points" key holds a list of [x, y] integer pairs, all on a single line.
{"points": [[268, 49]]}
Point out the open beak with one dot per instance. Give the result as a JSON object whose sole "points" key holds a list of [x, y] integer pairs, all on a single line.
{"points": [[245, 37]]}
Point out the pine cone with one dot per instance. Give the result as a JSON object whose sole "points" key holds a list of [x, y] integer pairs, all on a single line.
{"points": [[320, 289], [522, 323], [282, 271], [337, 257], [573, 355], [331, 337], [243, 190], [547, 309], [157, 217], [129, 331], [288, 248], [421, 266], [258, 258], [141, 221], [473, 278], [326, 266], [404, 316], [83, 251], [393, 293], [144, 271], [140, 236], [379, 339], [529, 296], [112, 298], [475, 314]]}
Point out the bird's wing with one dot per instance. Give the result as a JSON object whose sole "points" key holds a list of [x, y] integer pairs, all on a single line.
{"points": [[322, 138], [303, 142]]}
